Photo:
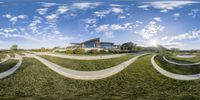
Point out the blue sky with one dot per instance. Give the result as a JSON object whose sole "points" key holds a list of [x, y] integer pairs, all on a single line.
{"points": [[35, 24]]}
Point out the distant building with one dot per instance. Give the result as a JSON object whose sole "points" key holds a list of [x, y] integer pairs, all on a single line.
{"points": [[95, 44]]}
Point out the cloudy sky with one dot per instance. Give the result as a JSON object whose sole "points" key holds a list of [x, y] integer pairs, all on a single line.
{"points": [[35, 24]]}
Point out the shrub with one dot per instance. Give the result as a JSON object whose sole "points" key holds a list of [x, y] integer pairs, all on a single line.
{"points": [[69, 51], [110, 51], [60, 51], [79, 51], [103, 51], [93, 51]]}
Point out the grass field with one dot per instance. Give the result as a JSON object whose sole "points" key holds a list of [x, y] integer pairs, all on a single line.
{"points": [[184, 60], [7, 65], [12, 54], [2, 56], [88, 65], [138, 81], [186, 70]]}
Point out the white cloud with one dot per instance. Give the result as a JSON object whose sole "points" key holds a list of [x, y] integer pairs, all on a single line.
{"points": [[114, 5], [7, 16], [90, 20], [195, 34], [150, 30], [165, 6], [85, 5], [62, 9], [14, 19], [194, 13], [101, 13], [105, 12], [121, 17], [157, 19], [55, 15], [139, 22], [48, 4], [9, 30], [109, 29], [22, 16], [42, 11], [52, 17], [34, 24], [145, 7], [164, 38], [117, 10], [176, 15]]}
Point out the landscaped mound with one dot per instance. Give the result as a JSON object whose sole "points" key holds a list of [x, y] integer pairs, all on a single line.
{"points": [[195, 59], [178, 69], [140, 80], [89, 65], [2, 56], [7, 65]]}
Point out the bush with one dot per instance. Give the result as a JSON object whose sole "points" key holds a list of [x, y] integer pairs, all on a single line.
{"points": [[103, 51], [93, 51], [113, 51], [79, 51], [60, 51], [69, 51]]}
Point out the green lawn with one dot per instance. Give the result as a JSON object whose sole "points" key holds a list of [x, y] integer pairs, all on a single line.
{"points": [[138, 81], [88, 54], [184, 60], [187, 70], [12, 54], [2, 56], [7, 65], [88, 65]]}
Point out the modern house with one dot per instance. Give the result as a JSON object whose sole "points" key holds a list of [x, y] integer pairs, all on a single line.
{"points": [[95, 44]]}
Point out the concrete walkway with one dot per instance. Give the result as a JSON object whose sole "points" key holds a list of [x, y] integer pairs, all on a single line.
{"points": [[86, 75], [181, 64], [5, 59], [173, 75], [13, 69], [83, 57]]}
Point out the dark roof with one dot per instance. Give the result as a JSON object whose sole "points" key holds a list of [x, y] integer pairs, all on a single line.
{"points": [[75, 43], [95, 39], [107, 42]]}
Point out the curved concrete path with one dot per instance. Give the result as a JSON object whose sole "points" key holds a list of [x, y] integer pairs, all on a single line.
{"points": [[86, 75], [13, 69], [173, 75], [5, 59], [181, 64], [83, 57]]}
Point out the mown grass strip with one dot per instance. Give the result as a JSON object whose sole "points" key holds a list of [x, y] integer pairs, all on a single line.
{"points": [[7, 65], [138, 81], [185, 70], [184, 60], [89, 65]]}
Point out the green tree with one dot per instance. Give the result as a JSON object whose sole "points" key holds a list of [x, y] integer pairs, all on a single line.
{"points": [[14, 47], [42, 49], [129, 46], [56, 47]]}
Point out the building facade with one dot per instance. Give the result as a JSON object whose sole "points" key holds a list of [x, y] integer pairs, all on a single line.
{"points": [[95, 44]]}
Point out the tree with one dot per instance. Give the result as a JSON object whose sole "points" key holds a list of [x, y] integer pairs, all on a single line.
{"points": [[13, 48], [175, 50], [57, 47], [42, 49], [129, 46]]}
